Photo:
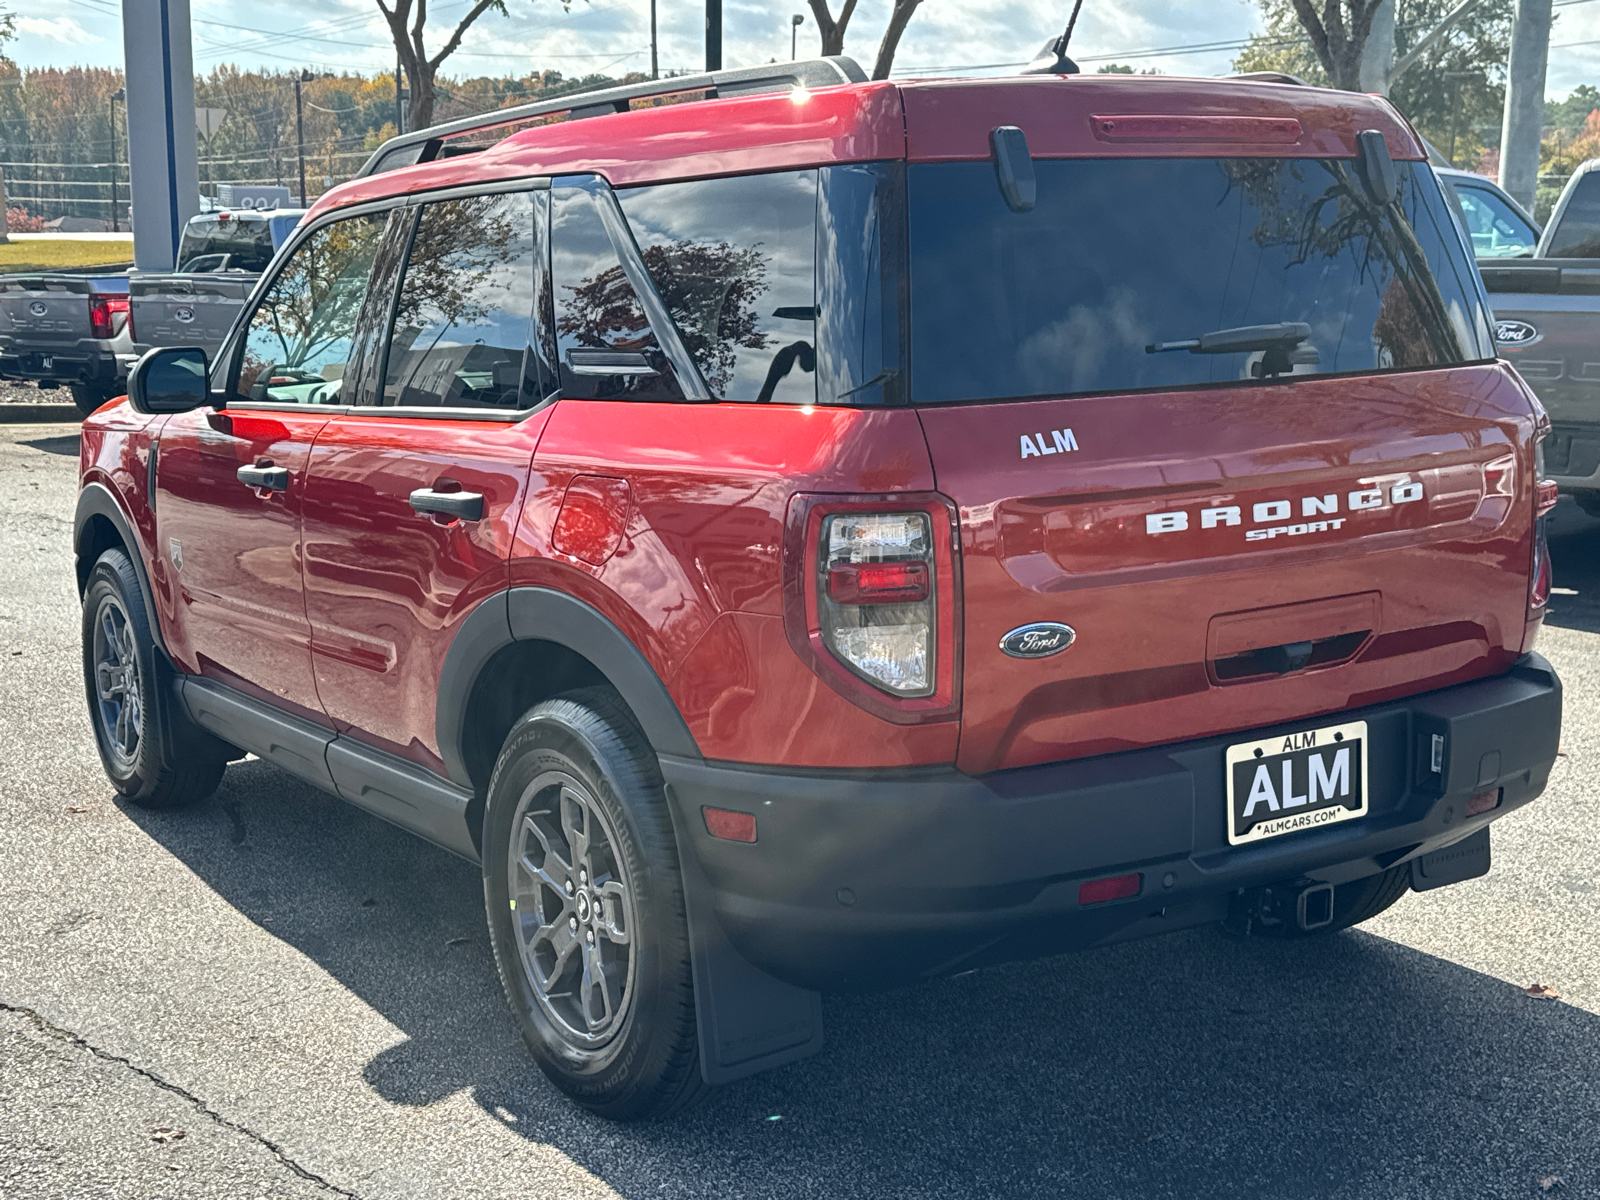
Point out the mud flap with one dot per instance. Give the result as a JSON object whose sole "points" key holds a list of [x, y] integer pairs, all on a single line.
{"points": [[1466, 859], [749, 1022]]}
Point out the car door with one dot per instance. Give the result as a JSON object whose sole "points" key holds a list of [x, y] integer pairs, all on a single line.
{"points": [[231, 478], [414, 493]]}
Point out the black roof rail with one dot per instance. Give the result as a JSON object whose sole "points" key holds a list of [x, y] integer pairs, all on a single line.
{"points": [[1270, 77], [425, 145]]}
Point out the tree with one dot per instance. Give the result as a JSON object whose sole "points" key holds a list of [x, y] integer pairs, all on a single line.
{"points": [[833, 30], [407, 21], [1338, 36], [1456, 87]]}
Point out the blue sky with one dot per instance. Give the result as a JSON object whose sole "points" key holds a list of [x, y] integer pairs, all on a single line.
{"points": [[945, 36]]}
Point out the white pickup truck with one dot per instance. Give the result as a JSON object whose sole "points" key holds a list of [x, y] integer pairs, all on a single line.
{"points": [[84, 331]]}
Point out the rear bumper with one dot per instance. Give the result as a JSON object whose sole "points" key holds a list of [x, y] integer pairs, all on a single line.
{"points": [[82, 363], [866, 879]]}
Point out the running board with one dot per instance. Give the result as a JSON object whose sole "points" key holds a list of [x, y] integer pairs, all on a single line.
{"points": [[400, 792]]}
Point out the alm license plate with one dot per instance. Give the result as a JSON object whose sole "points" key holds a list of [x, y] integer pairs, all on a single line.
{"points": [[1296, 781]]}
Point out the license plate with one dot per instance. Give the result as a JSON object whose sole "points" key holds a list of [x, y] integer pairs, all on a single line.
{"points": [[47, 364], [1296, 781]]}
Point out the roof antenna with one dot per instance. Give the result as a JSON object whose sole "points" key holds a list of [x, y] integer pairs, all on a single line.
{"points": [[1052, 57]]}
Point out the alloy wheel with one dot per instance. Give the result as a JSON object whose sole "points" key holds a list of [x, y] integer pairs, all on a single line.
{"points": [[116, 680]]}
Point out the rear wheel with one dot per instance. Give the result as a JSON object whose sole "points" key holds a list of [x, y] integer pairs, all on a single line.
{"points": [[1589, 501], [88, 398], [586, 909], [151, 761]]}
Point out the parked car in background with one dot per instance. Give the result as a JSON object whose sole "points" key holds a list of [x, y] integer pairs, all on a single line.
{"points": [[1547, 324], [84, 331], [786, 553], [1498, 226], [219, 260]]}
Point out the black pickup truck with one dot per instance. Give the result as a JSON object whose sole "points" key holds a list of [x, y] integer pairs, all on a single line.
{"points": [[1547, 324]]}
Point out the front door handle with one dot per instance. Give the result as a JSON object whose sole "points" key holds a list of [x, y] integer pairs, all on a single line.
{"points": [[275, 479], [468, 506]]}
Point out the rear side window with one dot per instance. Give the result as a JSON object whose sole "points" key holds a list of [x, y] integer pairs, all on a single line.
{"points": [[733, 261], [605, 342], [1577, 232], [463, 321], [299, 338], [1497, 230], [1119, 258]]}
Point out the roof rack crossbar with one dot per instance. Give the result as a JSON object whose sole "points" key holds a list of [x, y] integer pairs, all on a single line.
{"points": [[425, 145]]}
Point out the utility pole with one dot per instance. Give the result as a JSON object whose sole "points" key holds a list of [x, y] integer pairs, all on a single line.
{"points": [[119, 94], [1524, 115], [300, 132], [713, 35], [399, 111], [655, 71], [794, 33], [1377, 55]]}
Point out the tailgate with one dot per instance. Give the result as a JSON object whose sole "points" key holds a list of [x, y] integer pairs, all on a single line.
{"points": [[187, 310], [43, 312], [1554, 342], [1235, 557]]}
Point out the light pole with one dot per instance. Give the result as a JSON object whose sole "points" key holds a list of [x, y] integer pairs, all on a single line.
{"points": [[119, 94], [305, 76], [1455, 78], [713, 35], [655, 72], [794, 32]]}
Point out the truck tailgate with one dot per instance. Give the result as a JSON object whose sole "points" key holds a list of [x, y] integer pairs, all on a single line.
{"points": [[44, 312], [1190, 538], [187, 310]]}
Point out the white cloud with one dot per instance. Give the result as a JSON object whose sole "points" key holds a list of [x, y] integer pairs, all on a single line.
{"points": [[57, 29]]}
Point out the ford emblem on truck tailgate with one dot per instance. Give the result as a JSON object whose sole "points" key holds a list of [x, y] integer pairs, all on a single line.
{"points": [[1515, 333], [1039, 640], [184, 314], [38, 308]]}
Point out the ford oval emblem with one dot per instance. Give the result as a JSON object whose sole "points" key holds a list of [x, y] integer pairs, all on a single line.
{"points": [[38, 308], [184, 314], [1039, 640], [1515, 334]]}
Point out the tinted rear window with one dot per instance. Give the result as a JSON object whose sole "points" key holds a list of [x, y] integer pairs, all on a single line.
{"points": [[1118, 255], [247, 244]]}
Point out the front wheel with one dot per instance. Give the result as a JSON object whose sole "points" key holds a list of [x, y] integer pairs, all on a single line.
{"points": [[151, 762], [586, 908]]}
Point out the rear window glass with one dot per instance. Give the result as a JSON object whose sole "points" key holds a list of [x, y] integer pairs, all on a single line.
{"points": [[231, 245], [1577, 232], [1119, 256]]}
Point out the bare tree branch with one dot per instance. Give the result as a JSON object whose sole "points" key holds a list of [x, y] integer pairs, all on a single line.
{"points": [[832, 31], [898, 20], [478, 10]]}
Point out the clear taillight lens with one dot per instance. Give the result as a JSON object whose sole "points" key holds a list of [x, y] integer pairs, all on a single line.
{"points": [[875, 598]]}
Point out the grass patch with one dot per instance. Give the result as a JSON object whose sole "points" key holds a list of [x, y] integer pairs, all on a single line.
{"points": [[63, 254]]}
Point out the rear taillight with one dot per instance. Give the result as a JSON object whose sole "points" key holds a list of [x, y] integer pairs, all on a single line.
{"points": [[1545, 494], [104, 314], [872, 598], [875, 608]]}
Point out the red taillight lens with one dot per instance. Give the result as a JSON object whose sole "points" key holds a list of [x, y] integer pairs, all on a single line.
{"points": [[1541, 576], [729, 825], [878, 583], [1546, 493], [1118, 887], [104, 312]]}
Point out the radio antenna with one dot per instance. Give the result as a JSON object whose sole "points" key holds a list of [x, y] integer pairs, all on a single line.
{"points": [[1052, 59], [1071, 21]]}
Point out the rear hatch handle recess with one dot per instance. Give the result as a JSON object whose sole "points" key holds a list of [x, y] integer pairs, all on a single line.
{"points": [[1281, 342]]}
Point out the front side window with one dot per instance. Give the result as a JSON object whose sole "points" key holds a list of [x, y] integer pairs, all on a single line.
{"points": [[733, 261], [298, 341], [464, 318], [1127, 273], [1497, 230]]}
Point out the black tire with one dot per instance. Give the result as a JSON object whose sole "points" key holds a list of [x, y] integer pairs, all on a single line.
{"points": [[1589, 501], [152, 754], [582, 755], [87, 398]]}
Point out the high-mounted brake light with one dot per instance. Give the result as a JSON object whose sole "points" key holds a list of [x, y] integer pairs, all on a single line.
{"points": [[103, 314]]}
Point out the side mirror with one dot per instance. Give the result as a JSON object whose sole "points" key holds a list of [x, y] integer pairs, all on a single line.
{"points": [[169, 380]]}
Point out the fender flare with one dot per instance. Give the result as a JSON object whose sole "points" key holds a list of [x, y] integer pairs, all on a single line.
{"points": [[97, 500], [542, 614]]}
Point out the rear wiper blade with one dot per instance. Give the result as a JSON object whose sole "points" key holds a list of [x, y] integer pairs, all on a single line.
{"points": [[1287, 334]]}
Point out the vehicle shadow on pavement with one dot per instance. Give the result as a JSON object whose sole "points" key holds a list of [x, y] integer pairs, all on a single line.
{"points": [[1575, 559], [1187, 1066]]}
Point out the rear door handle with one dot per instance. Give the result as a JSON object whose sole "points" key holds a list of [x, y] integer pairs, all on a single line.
{"points": [[468, 506], [274, 479]]}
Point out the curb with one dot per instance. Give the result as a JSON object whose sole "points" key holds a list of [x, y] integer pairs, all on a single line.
{"points": [[39, 414]]}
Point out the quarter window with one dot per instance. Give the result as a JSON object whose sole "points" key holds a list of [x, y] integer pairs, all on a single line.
{"points": [[464, 317], [733, 261], [298, 342]]}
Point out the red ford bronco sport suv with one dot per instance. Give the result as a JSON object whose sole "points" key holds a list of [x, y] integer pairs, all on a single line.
{"points": [[817, 534]]}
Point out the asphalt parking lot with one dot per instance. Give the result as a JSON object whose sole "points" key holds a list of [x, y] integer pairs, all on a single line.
{"points": [[277, 995]]}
